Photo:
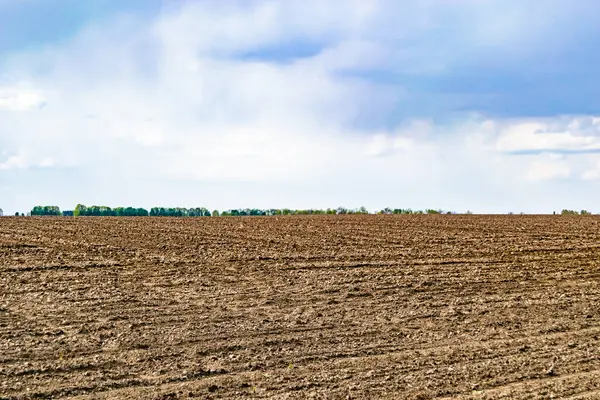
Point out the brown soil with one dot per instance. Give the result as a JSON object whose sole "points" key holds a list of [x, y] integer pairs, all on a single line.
{"points": [[490, 307]]}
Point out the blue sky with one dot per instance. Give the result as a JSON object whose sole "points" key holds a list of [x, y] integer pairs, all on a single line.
{"points": [[490, 106], [36, 23]]}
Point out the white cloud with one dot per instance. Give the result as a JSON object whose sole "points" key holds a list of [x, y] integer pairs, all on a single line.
{"points": [[172, 112], [548, 168], [535, 136], [592, 172], [22, 161], [383, 144], [13, 162], [591, 175], [223, 28], [20, 98]]}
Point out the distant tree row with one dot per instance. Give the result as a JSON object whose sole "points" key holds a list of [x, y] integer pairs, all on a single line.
{"points": [[82, 210], [573, 212], [104, 211], [45, 210], [179, 212], [409, 211], [38, 211], [288, 211]]}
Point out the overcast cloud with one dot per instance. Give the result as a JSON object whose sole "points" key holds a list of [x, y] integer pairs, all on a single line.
{"points": [[490, 106]]}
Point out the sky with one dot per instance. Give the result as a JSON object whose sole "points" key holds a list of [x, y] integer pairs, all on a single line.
{"points": [[491, 106]]}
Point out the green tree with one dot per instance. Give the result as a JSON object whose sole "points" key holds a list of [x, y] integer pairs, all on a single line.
{"points": [[80, 210]]}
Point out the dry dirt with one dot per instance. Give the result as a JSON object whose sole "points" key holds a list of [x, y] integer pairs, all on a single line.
{"points": [[490, 307]]}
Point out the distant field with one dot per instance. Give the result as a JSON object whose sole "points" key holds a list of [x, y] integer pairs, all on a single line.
{"points": [[357, 306]]}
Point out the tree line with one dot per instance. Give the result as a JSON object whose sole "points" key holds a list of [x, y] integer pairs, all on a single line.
{"points": [[288, 211], [573, 212], [408, 211], [45, 210], [104, 211]]}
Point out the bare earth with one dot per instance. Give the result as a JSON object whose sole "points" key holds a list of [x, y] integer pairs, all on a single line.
{"points": [[482, 307]]}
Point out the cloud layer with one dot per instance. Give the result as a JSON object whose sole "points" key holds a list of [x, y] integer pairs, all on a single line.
{"points": [[289, 104]]}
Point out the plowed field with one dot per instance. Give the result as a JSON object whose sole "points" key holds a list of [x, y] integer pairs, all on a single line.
{"points": [[493, 307]]}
